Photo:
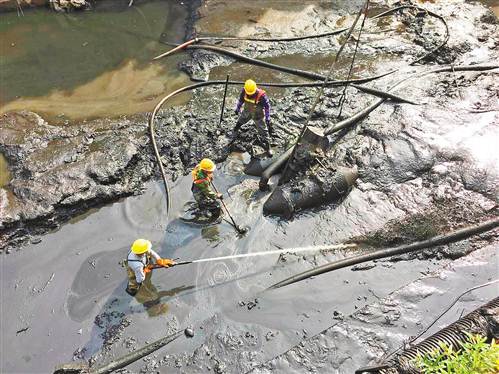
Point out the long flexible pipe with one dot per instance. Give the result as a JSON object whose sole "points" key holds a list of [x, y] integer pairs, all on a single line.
{"points": [[318, 97], [366, 111], [382, 94], [135, 355], [286, 69], [336, 127], [444, 41], [253, 39], [437, 240], [287, 39], [153, 138], [274, 167], [190, 43]]}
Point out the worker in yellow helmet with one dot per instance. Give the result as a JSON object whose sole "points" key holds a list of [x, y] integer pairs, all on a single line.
{"points": [[256, 107], [138, 264], [202, 188]]}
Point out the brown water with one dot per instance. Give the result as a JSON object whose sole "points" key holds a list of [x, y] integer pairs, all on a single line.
{"points": [[493, 5], [90, 64], [363, 66], [4, 172], [77, 276]]}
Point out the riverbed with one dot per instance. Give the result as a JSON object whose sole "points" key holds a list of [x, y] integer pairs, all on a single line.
{"points": [[83, 184]]}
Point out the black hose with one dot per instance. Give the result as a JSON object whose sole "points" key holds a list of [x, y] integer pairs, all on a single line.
{"points": [[288, 39], [329, 83], [135, 355], [153, 138], [446, 38], [286, 69], [254, 61], [353, 119], [365, 112], [274, 168], [382, 94], [336, 127], [437, 240]]}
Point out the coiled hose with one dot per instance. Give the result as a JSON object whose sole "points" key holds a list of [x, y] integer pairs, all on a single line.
{"points": [[444, 41], [190, 44]]}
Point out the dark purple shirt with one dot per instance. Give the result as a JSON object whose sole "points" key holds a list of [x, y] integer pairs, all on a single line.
{"points": [[264, 100]]}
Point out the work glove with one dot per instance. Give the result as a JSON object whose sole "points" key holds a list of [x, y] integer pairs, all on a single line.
{"points": [[166, 262], [147, 269]]}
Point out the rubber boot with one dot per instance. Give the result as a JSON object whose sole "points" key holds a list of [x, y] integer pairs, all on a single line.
{"points": [[131, 292], [268, 150]]}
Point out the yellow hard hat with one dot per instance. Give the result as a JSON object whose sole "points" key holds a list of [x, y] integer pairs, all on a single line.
{"points": [[207, 165], [141, 246], [250, 87]]}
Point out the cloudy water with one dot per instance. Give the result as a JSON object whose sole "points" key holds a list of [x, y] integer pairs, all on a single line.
{"points": [[90, 64], [4, 172]]}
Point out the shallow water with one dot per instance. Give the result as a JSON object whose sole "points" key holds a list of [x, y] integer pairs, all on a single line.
{"points": [[90, 64], [4, 171], [75, 291]]}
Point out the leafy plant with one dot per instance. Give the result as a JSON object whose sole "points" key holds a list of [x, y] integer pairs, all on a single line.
{"points": [[474, 357]]}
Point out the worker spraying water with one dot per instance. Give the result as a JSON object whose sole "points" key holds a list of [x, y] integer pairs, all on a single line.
{"points": [[139, 264], [326, 247]]}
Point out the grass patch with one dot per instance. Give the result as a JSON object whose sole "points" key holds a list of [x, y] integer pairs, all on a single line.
{"points": [[474, 357]]}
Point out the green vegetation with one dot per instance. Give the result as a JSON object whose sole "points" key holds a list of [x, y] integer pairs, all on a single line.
{"points": [[475, 357]]}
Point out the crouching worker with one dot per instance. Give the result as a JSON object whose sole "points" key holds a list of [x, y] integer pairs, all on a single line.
{"points": [[139, 263], [202, 189]]}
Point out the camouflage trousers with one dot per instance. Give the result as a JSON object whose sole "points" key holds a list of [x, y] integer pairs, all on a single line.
{"points": [[261, 127]]}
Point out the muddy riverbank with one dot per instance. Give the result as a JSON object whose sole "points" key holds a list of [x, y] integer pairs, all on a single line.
{"points": [[430, 168]]}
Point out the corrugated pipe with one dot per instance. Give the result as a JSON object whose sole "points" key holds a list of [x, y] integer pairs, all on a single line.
{"points": [[483, 321]]}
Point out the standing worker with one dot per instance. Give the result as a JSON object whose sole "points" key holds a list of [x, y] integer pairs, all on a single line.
{"points": [[202, 189], [138, 264], [256, 107]]}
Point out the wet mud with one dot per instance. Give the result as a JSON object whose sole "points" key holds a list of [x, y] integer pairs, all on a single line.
{"points": [[422, 169]]}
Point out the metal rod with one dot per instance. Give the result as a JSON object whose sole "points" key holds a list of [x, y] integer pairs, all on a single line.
{"points": [[223, 102], [228, 213], [321, 90]]}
